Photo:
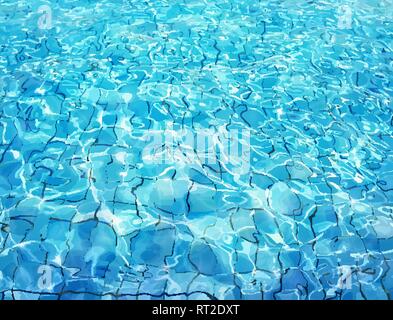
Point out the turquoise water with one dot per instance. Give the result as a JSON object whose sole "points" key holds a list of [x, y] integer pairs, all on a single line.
{"points": [[107, 194]]}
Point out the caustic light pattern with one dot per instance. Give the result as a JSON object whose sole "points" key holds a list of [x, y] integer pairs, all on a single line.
{"points": [[306, 212]]}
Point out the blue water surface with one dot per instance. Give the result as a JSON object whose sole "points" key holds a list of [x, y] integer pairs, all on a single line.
{"points": [[306, 214]]}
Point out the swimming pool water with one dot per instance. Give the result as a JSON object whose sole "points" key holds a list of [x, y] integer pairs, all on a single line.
{"points": [[94, 95]]}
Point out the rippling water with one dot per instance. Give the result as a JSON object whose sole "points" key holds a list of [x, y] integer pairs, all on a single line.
{"points": [[91, 204]]}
